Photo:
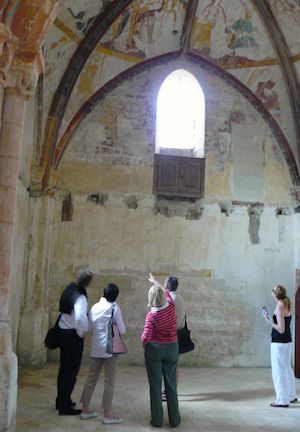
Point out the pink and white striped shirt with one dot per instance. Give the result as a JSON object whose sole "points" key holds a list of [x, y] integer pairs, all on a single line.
{"points": [[160, 324]]}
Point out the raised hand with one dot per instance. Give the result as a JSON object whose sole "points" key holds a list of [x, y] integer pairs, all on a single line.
{"points": [[151, 278]]}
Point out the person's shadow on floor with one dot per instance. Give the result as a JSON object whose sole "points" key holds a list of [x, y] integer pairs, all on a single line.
{"points": [[233, 396]]}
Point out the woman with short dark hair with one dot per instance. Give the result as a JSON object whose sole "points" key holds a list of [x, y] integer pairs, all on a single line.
{"points": [[99, 319]]}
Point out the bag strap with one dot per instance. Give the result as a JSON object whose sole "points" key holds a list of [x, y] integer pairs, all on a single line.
{"points": [[185, 325], [58, 319], [111, 321], [112, 311]]}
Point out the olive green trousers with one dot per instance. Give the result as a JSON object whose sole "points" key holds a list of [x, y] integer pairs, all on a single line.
{"points": [[161, 362]]}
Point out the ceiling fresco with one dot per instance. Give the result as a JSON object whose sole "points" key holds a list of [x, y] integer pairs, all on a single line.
{"points": [[287, 13], [230, 34]]}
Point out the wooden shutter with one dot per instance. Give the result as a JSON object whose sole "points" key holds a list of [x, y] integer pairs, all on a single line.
{"points": [[166, 174], [178, 176], [191, 178]]}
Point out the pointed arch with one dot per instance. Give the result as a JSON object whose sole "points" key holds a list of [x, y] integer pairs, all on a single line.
{"points": [[204, 64]]}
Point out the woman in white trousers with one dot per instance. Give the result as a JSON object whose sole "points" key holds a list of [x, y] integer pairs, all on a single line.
{"points": [[281, 349]]}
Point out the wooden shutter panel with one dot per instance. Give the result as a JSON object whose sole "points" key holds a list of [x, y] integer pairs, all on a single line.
{"points": [[178, 176], [191, 179], [166, 174]]}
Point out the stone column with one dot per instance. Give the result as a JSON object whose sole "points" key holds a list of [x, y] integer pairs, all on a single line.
{"points": [[10, 148], [18, 82]]}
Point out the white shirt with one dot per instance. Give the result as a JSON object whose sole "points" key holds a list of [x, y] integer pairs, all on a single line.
{"points": [[99, 317], [78, 319], [180, 309]]}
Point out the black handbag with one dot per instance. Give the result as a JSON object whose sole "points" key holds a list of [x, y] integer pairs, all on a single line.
{"points": [[184, 340], [51, 340]]}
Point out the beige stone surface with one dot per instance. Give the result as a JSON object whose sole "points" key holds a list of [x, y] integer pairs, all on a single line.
{"points": [[211, 400], [8, 379], [20, 249], [223, 304]]}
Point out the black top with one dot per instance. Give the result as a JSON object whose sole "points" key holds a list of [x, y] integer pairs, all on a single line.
{"points": [[69, 297], [286, 337]]}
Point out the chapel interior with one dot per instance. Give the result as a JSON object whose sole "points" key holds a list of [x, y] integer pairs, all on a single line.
{"points": [[150, 135]]}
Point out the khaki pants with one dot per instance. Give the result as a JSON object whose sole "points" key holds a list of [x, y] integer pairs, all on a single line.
{"points": [[110, 370]]}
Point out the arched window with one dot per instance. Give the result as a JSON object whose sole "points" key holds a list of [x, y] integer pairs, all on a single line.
{"points": [[180, 124]]}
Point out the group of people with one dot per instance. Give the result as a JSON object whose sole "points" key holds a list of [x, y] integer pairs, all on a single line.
{"points": [[159, 338], [165, 318]]}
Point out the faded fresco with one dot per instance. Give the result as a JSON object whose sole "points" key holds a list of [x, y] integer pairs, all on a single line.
{"points": [[136, 32], [139, 28], [121, 131], [268, 85], [228, 33], [226, 29], [287, 13], [78, 15]]}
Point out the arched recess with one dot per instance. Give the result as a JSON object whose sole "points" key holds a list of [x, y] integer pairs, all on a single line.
{"points": [[203, 63], [180, 115]]}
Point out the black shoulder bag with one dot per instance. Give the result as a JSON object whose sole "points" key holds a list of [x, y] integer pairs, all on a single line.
{"points": [[51, 341], [184, 340]]}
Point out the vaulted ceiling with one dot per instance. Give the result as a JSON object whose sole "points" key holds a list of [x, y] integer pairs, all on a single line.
{"points": [[94, 45]]}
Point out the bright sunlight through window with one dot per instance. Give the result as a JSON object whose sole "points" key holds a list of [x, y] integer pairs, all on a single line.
{"points": [[181, 114]]}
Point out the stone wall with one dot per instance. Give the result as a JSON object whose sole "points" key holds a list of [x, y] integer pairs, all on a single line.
{"points": [[224, 279], [227, 250]]}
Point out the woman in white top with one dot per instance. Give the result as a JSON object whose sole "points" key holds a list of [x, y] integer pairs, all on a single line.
{"points": [[99, 318]]}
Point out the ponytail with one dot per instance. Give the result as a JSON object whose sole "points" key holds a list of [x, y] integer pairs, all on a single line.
{"points": [[280, 293], [287, 303]]}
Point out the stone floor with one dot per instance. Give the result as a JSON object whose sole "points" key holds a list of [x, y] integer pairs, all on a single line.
{"points": [[211, 400]]}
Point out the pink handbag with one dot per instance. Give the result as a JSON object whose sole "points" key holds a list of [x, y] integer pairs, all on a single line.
{"points": [[119, 346]]}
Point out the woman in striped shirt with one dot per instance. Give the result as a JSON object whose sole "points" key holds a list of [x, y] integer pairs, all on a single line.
{"points": [[161, 355]]}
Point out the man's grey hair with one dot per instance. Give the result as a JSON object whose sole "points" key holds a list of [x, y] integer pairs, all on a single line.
{"points": [[84, 277]]}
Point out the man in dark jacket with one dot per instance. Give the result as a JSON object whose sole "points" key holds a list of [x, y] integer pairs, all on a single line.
{"points": [[72, 326]]}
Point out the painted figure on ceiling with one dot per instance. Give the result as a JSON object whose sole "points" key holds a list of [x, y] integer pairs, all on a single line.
{"points": [[215, 14], [265, 91], [140, 16], [287, 10], [223, 31], [139, 21], [82, 18], [240, 34]]}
